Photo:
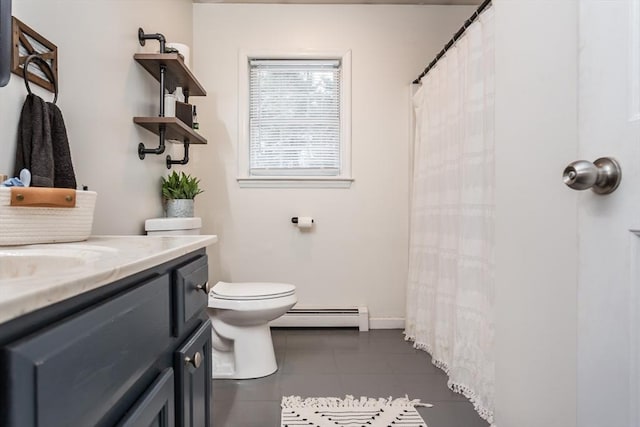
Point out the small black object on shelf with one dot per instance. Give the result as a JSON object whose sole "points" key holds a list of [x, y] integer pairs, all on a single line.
{"points": [[184, 112]]}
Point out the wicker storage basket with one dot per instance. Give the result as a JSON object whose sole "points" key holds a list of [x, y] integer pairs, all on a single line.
{"points": [[45, 215]]}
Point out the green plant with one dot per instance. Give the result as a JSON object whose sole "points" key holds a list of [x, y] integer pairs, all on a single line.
{"points": [[180, 186]]}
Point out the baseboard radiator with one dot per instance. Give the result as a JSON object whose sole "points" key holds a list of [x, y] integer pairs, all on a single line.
{"points": [[324, 318]]}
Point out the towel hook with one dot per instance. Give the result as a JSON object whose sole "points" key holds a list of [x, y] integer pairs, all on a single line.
{"points": [[42, 61]]}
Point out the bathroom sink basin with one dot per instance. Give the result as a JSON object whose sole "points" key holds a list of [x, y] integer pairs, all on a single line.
{"points": [[40, 260]]}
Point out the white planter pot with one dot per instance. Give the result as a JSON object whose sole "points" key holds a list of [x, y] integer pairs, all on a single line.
{"points": [[179, 208]]}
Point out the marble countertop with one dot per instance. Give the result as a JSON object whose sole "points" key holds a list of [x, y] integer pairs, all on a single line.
{"points": [[35, 276]]}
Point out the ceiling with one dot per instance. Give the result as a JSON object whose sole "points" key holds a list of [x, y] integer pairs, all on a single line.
{"points": [[431, 2]]}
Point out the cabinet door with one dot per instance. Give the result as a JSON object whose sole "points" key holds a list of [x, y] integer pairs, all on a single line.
{"points": [[190, 297], [74, 372], [193, 379], [156, 406]]}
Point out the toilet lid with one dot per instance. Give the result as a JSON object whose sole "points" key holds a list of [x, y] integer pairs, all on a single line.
{"points": [[251, 291]]}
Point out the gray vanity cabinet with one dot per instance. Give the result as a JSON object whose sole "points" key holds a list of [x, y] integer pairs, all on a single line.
{"points": [[118, 355], [156, 407], [90, 357]]}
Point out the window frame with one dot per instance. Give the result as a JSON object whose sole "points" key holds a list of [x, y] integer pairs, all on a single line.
{"points": [[244, 178]]}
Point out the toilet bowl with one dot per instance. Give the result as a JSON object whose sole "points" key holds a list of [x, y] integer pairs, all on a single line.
{"points": [[240, 314]]}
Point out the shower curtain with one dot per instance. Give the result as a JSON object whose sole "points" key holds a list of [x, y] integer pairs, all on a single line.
{"points": [[450, 290]]}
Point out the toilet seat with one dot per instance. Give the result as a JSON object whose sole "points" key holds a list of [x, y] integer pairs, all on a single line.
{"points": [[251, 291]]}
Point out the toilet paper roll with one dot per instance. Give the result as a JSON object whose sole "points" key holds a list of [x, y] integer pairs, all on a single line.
{"points": [[184, 51], [305, 222]]}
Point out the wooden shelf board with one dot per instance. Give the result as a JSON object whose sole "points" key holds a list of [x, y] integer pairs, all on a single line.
{"points": [[175, 128], [177, 72]]}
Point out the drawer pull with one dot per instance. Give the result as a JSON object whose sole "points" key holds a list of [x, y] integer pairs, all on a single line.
{"points": [[205, 287], [196, 361]]}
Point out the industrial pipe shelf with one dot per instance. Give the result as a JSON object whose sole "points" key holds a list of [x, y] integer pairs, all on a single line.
{"points": [[169, 69], [175, 128], [177, 72]]}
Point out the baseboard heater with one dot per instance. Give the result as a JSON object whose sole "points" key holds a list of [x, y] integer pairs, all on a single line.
{"points": [[324, 318]]}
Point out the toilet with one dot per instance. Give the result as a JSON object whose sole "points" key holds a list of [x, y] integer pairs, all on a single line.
{"points": [[240, 314]]}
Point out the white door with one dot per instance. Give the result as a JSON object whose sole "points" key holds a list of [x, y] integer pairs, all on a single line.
{"points": [[608, 249]]}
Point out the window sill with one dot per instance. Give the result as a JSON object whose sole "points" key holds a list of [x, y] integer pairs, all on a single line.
{"points": [[294, 182]]}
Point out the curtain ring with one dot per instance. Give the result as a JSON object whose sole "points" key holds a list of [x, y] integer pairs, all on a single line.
{"points": [[39, 59]]}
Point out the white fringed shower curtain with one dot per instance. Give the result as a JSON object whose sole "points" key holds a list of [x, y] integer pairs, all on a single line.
{"points": [[450, 290]]}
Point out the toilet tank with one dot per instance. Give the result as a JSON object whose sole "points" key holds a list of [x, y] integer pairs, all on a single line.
{"points": [[173, 226]]}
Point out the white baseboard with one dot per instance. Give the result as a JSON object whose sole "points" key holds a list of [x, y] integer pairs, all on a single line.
{"points": [[386, 322]]}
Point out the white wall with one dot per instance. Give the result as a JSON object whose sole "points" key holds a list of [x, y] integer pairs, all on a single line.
{"points": [[357, 253], [536, 237], [101, 89]]}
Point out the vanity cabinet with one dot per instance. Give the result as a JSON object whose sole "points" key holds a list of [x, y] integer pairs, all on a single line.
{"points": [[132, 353], [156, 406]]}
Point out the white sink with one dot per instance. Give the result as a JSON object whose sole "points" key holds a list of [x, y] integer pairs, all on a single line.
{"points": [[40, 260]]}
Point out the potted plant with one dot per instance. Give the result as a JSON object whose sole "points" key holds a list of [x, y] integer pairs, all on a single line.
{"points": [[178, 191]]}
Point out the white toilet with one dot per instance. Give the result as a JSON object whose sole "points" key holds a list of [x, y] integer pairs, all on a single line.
{"points": [[240, 314]]}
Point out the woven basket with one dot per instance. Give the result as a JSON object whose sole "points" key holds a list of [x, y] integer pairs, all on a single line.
{"points": [[45, 215]]}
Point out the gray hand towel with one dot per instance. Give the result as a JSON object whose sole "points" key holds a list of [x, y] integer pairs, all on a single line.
{"points": [[43, 146], [35, 151], [64, 176]]}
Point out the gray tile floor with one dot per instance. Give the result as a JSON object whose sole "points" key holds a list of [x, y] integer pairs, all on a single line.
{"points": [[336, 362]]}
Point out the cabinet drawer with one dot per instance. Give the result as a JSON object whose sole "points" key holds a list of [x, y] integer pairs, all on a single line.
{"points": [[156, 406], [73, 372], [190, 295], [193, 379]]}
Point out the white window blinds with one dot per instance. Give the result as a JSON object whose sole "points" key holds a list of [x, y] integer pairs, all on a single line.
{"points": [[294, 117]]}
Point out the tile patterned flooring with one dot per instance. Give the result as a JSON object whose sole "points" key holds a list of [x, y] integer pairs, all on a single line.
{"points": [[336, 362]]}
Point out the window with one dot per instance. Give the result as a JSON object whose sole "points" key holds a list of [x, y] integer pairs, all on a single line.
{"points": [[294, 117], [295, 129]]}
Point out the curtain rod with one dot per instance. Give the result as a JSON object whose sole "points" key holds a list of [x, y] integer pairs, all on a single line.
{"points": [[455, 38]]}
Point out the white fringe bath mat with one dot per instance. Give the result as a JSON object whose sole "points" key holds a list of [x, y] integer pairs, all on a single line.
{"points": [[31, 215], [365, 412]]}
